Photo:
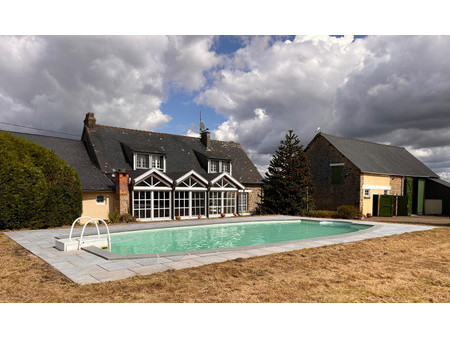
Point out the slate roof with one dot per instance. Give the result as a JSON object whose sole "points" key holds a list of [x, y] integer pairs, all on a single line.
{"points": [[377, 158], [75, 155], [441, 181], [183, 152]]}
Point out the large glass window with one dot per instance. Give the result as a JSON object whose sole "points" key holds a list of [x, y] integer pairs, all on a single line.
{"points": [[161, 204], [198, 203], [142, 205], [229, 202], [215, 202], [145, 200], [181, 203], [243, 202]]}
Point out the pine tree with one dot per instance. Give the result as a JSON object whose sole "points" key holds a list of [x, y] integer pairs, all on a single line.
{"points": [[288, 182]]}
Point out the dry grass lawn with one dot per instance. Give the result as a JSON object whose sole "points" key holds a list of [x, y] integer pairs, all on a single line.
{"points": [[410, 267]]}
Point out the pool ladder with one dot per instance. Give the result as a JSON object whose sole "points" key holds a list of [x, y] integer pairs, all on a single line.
{"points": [[90, 219]]}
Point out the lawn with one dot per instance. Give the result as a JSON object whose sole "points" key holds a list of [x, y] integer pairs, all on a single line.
{"points": [[412, 267]]}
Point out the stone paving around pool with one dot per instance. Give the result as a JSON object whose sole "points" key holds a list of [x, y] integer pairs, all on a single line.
{"points": [[84, 267]]}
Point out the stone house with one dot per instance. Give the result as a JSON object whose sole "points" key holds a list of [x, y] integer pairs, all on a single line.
{"points": [[355, 172], [157, 176]]}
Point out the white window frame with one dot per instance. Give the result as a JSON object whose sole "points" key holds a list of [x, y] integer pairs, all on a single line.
{"points": [[100, 203], [136, 162], [152, 206], [150, 161], [366, 193], [219, 167]]}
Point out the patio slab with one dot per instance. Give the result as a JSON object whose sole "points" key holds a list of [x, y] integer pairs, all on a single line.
{"points": [[85, 267]]}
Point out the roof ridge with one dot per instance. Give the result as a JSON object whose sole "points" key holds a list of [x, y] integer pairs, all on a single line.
{"points": [[157, 132], [357, 139], [58, 137]]}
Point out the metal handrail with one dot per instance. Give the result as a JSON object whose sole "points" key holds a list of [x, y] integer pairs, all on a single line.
{"points": [[74, 222], [95, 220]]}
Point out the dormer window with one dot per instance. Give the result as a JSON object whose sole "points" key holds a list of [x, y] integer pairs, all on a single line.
{"points": [[226, 168], [158, 162], [219, 166], [214, 167], [142, 161], [148, 161]]}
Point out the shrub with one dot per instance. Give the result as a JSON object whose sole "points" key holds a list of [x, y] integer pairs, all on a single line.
{"points": [[348, 211], [322, 213], [114, 217], [126, 218], [37, 188]]}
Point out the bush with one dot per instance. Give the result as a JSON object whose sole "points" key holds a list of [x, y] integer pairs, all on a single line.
{"points": [[37, 188], [348, 211], [114, 217], [322, 213], [126, 218]]}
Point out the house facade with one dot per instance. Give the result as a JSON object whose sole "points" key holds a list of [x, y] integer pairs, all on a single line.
{"points": [[157, 176], [371, 177]]}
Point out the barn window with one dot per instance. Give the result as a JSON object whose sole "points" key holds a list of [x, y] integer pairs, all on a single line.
{"points": [[336, 173]]}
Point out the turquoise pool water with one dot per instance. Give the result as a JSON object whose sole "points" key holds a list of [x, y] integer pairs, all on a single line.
{"points": [[215, 236]]}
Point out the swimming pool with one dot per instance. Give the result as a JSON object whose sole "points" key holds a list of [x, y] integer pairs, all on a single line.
{"points": [[215, 236]]}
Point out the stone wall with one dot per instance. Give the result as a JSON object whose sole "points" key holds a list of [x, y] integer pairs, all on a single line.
{"points": [[330, 196], [253, 197], [397, 185]]}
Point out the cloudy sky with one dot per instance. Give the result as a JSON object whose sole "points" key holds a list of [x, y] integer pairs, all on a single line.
{"points": [[250, 89]]}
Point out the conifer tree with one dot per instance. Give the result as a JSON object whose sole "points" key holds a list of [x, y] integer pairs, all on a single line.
{"points": [[288, 182]]}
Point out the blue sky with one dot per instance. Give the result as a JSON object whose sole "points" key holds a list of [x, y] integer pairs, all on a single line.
{"points": [[181, 105]]}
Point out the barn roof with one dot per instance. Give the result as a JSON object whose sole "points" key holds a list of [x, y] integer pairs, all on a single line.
{"points": [[377, 158]]}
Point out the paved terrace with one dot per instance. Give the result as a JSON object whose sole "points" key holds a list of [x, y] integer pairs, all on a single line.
{"points": [[85, 267]]}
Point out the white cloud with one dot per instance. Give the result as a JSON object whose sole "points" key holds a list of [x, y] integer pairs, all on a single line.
{"points": [[226, 131], [388, 89], [192, 133], [52, 81], [268, 88]]}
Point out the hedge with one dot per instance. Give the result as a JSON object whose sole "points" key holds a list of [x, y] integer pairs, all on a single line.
{"points": [[37, 188]]}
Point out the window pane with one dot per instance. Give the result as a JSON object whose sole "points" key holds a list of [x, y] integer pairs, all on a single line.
{"points": [[142, 161]]}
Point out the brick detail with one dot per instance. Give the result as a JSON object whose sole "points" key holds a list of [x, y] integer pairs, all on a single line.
{"points": [[122, 197]]}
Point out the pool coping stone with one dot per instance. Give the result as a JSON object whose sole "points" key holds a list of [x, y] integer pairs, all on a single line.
{"points": [[90, 265]]}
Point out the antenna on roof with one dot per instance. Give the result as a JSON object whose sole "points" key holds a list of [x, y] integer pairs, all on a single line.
{"points": [[202, 125]]}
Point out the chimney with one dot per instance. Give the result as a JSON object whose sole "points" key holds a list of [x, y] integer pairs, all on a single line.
{"points": [[89, 120], [205, 138], [122, 198]]}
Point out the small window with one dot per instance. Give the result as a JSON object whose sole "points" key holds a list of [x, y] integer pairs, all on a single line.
{"points": [[214, 166], [336, 174], [142, 161], [226, 167], [158, 162], [366, 193], [101, 199], [385, 192]]}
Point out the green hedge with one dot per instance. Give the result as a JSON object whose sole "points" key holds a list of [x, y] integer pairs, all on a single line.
{"points": [[37, 188], [344, 211]]}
